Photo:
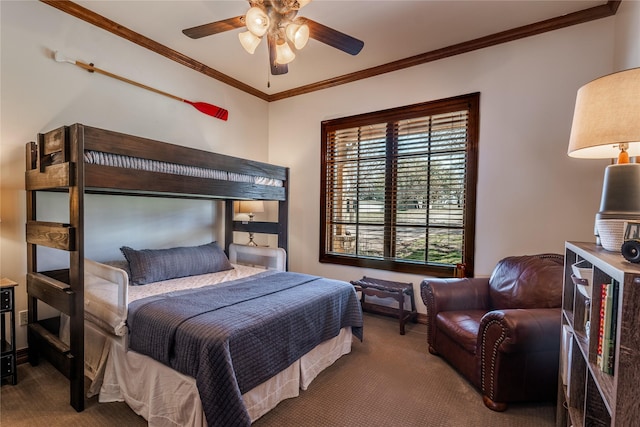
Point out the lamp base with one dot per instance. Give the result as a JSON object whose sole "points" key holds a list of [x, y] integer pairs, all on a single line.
{"points": [[251, 242], [611, 233], [620, 202]]}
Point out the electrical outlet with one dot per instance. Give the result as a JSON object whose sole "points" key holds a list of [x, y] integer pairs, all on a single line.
{"points": [[23, 317]]}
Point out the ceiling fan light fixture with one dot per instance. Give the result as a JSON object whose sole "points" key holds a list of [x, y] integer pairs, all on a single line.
{"points": [[284, 54], [249, 41], [298, 34], [257, 21], [286, 33]]}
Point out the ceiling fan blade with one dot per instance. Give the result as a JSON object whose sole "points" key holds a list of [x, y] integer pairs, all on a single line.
{"points": [[334, 38], [276, 69], [214, 27]]}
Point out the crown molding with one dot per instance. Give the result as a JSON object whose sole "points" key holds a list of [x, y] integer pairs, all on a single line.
{"points": [[579, 17]]}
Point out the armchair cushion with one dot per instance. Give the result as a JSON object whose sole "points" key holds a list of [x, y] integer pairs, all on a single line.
{"points": [[461, 327], [527, 282]]}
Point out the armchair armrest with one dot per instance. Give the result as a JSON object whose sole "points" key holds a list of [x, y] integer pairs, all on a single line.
{"points": [[455, 294], [452, 295], [518, 330], [519, 354]]}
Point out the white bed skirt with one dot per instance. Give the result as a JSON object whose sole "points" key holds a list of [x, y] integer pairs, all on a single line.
{"points": [[165, 397]]}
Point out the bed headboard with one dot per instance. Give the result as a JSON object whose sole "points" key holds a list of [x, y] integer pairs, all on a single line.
{"points": [[257, 256]]}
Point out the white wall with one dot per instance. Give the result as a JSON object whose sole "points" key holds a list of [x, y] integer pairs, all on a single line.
{"points": [[627, 49], [139, 222], [39, 94], [531, 195]]}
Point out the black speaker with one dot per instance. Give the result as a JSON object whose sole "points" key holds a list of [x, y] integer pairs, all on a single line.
{"points": [[631, 250]]}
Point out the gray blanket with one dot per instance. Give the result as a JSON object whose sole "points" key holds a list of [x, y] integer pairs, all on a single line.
{"points": [[233, 337]]}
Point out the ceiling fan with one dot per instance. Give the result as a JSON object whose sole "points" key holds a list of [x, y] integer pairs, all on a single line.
{"points": [[285, 31]]}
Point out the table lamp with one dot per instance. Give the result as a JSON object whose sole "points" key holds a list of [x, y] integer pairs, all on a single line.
{"points": [[251, 207], [606, 125]]}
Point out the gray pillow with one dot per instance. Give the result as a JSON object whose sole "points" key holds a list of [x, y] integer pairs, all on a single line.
{"points": [[154, 265]]}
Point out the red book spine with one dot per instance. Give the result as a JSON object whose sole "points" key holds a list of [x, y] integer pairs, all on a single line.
{"points": [[603, 298]]}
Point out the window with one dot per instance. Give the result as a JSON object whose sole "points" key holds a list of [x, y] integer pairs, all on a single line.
{"points": [[398, 188]]}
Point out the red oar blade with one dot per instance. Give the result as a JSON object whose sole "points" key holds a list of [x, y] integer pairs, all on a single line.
{"points": [[211, 110]]}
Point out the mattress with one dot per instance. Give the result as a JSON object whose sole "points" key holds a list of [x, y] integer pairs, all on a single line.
{"points": [[107, 294], [129, 162]]}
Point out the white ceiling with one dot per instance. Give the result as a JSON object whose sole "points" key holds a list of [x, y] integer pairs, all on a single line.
{"points": [[391, 30]]}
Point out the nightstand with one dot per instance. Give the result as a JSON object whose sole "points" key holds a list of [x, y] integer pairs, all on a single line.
{"points": [[8, 348]]}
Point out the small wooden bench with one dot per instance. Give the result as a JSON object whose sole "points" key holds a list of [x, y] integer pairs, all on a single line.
{"points": [[387, 289]]}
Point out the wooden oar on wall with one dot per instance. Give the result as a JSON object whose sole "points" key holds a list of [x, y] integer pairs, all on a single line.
{"points": [[211, 110]]}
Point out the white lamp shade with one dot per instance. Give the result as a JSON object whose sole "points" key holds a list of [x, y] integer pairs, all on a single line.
{"points": [[607, 113], [284, 54], [249, 41], [298, 34], [250, 206], [257, 21]]}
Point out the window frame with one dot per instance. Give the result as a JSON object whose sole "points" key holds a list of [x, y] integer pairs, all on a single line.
{"points": [[471, 102]]}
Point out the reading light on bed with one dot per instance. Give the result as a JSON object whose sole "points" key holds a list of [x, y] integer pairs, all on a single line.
{"points": [[251, 207], [606, 125]]}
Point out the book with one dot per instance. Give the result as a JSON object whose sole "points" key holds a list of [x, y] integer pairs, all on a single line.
{"points": [[602, 321], [565, 351], [609, 345], [606, 341]]}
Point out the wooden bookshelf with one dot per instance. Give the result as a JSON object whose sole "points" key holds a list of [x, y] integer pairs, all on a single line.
{"points": [[591, 397]]}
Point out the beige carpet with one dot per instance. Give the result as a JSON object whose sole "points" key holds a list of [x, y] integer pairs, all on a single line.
{"points": [[387, 380], [41, 399]]}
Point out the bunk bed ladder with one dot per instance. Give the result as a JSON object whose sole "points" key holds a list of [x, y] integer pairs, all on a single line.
{"points": [[52, 164]]}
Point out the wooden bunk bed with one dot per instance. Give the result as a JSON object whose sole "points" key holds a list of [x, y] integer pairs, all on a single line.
{"points": [[56, 162]]}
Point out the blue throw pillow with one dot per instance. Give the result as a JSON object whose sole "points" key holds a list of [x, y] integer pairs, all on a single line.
{"points": [[155, 265]]}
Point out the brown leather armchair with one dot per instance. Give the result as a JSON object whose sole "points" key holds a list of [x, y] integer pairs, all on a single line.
{"points": [[502, 333]]}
